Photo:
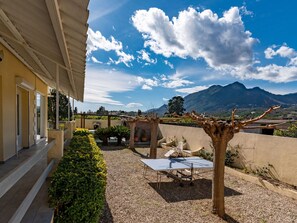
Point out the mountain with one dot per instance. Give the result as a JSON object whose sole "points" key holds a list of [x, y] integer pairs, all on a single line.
{"points": [[224, 98]]}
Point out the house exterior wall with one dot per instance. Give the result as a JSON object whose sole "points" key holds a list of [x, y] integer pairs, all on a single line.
{"points": [[10, 68], [255, 150]]}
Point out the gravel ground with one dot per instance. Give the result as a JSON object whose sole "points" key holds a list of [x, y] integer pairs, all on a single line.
{"points": [[132, 198]]}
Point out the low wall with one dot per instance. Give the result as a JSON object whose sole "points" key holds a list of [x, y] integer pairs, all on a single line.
{"points": [[255, 150], [89, 123]]}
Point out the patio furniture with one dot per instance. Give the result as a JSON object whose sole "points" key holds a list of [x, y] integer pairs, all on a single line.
{"points": [[180, 169]]}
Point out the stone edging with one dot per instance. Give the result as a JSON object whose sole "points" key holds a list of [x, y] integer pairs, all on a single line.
{"points": [[256, 180]]}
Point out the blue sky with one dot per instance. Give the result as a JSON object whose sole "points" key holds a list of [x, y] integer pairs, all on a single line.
{"points": [[142, 53]]}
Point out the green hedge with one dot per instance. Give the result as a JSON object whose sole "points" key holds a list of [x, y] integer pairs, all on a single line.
{"points": [[77, 190], [118, 131]]}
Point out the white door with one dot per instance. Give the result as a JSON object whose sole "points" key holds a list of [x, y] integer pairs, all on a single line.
{"points": [[19, 120]]}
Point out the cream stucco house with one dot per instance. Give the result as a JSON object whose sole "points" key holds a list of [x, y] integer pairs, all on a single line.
{"points": [[42, 45]]}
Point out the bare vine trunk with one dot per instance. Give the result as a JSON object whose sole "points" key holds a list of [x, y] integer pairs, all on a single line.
{"points": [[218, 178], [132, 132], [154, 140]]}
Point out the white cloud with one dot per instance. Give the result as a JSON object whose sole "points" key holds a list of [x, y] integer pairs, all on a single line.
{"points": [[283, 51], [123, 58], [100, 83], [175, 82], [147, 83], [146, 87], [134, 105], [245, 11], [145, 56], [169, 64], [94, 59], [221, 42], [275, 73], [192, 89], [165, 99], [97, 41]]}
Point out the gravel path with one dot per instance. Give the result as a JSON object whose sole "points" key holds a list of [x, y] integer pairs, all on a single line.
{"points": [[132, 198]]}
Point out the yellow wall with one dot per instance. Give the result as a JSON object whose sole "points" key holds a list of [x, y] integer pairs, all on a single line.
{"points": [[1, 118], [10, 68]]}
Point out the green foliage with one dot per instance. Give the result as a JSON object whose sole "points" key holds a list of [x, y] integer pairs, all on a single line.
{"points": [[176, 105], [116, 131], [265, 172], [120, 132], [81, 132], [290, 132], [231, 154], [103, 134], [77, 190], [63, 107]]}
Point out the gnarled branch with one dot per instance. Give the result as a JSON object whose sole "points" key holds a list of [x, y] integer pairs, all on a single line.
{"points": [[244, 123]]}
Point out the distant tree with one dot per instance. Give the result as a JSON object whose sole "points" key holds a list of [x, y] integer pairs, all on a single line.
{"points": [[290, 132], [101, 111], [139, 112], [75, 111], [176, 105], [63, 107]]}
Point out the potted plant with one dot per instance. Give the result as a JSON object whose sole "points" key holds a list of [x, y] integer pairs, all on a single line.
{"points": [[143, 136]]}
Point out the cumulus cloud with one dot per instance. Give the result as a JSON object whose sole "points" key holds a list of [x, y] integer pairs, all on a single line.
{"points": [[134, 105], [221, 42], [97, 41], [282, 51], [275, 73], [145, 56], [191, 89]]}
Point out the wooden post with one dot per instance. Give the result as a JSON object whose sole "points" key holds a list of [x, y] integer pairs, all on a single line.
{"points": [[108, 120], [154, 137], [132, 125], [57, 96]]}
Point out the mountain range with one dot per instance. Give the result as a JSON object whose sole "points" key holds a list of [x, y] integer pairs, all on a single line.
{"points": [[225, 98]]}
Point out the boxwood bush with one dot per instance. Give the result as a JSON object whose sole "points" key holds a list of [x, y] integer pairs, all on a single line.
{"points": [[77, 190]]}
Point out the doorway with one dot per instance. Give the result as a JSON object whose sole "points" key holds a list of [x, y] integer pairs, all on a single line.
{"points": [[40, 116], [22, 118], [19, 119]]}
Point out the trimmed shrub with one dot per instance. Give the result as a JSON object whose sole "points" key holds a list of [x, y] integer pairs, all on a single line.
{"points": [[81, 132], [120, 132], [103, 134], [77, 190]]}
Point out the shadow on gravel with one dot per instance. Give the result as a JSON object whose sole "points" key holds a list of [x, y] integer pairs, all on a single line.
{"points": [[111, 148], [107, 215], [173, 192], [229, 219]]}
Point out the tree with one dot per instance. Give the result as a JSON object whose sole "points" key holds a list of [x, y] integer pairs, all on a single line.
{"points": [[176, 105], [290, 132], [75, 110], [221, 132], [101, 111], [63, 107], [139, 112]]}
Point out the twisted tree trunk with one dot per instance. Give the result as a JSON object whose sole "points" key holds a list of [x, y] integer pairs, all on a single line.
{"points": [[218, 177]]}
